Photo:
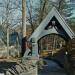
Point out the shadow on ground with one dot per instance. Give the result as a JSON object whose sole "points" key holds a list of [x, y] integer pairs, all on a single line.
{"points": [[4, 65]]}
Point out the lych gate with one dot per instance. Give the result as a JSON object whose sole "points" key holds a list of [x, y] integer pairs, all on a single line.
{"points": [[52, 24]]}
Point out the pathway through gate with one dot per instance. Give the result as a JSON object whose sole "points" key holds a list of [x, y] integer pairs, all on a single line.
{"points": [[52, 68]]}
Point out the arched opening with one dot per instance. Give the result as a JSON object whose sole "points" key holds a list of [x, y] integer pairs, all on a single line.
{"points": [[50, 44], [51, 47]]}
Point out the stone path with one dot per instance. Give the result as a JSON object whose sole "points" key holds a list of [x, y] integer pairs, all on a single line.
{"points": [[51, 69]]}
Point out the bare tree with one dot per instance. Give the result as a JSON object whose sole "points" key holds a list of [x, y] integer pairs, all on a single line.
{"points": [[30, 18], [9, 8], [24, 17], [24, 39], [7, 24]]}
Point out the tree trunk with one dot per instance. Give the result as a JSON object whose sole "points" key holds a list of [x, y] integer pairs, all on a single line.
{"points": [[8, 42], [24, 18], [24, 39]]}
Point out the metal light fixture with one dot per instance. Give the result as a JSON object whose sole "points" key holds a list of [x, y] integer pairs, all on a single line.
{"points": [[66, 53], [53, 23]]}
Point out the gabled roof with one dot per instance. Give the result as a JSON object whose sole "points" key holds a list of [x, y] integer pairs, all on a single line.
{"points": [[45, 22]]}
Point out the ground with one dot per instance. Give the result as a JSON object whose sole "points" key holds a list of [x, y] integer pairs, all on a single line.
{"points": [[4, 65], [51, 69]]}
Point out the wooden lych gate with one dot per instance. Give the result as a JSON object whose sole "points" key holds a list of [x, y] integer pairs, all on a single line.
{"points": [[54, 23]]}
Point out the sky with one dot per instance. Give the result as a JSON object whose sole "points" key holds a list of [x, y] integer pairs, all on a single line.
{"points": [[18, 13], [73, 11], [15, 13]]}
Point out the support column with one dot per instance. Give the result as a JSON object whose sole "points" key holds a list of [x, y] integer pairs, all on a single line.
{"points": [[34, 48]]}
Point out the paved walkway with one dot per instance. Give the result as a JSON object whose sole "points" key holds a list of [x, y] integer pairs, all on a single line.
{"points": [[51, 69]]}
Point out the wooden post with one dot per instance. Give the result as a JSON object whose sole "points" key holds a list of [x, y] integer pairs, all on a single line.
{"points": [[54, 41]]}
